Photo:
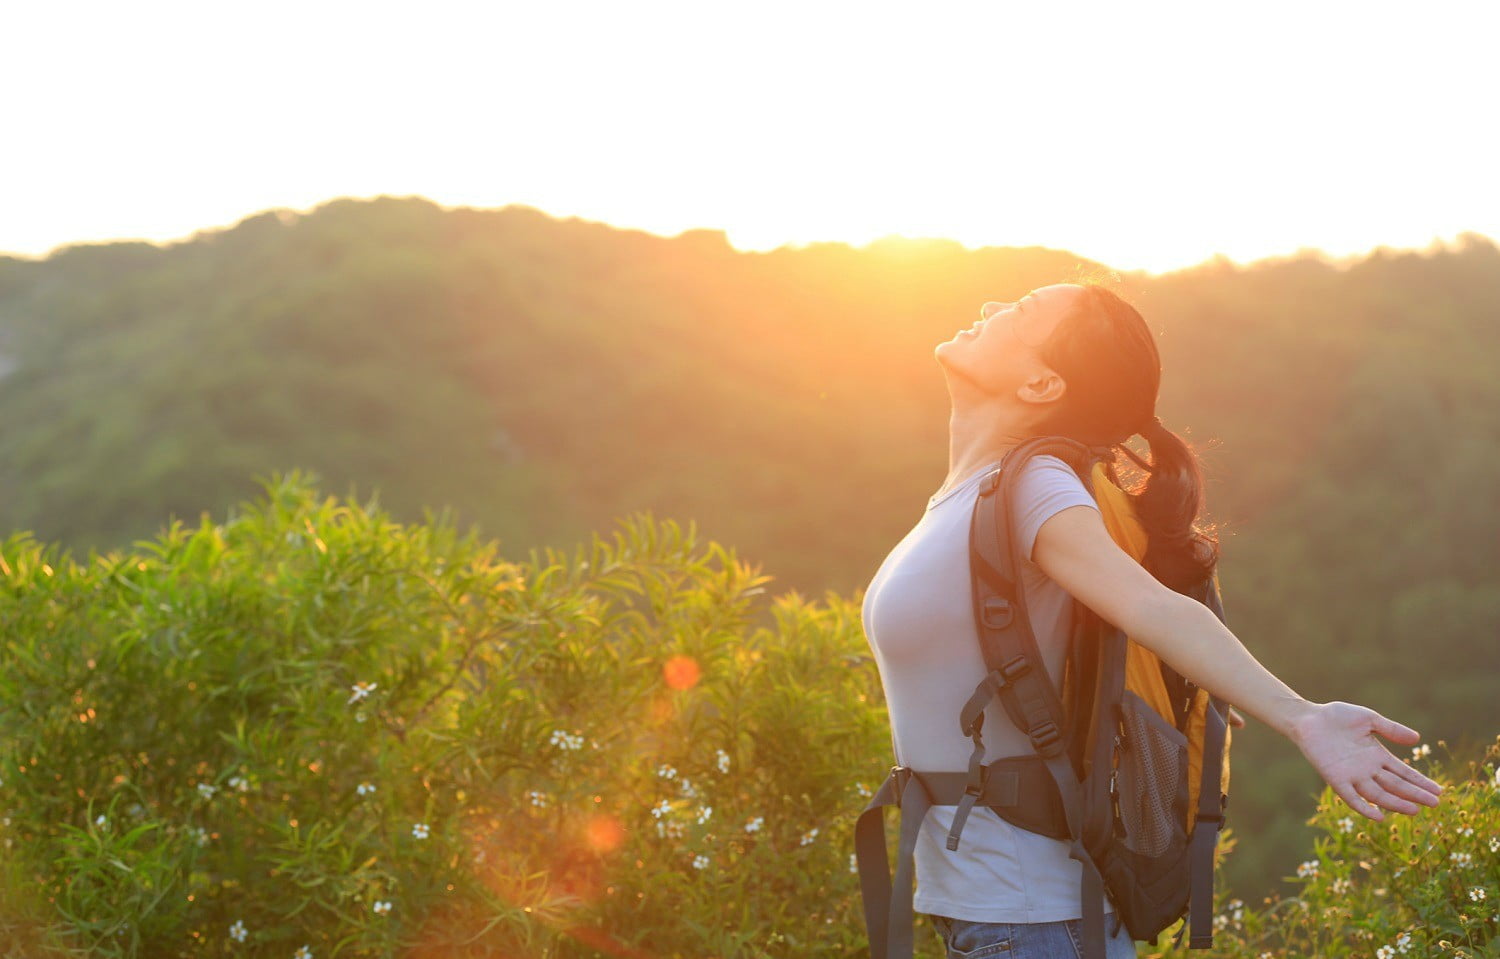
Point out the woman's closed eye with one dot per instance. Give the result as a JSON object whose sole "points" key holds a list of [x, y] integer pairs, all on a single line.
{"points": [[990, 309]]}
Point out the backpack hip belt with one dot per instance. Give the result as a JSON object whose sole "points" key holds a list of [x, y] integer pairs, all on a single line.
{"points": [[1018, 788]]}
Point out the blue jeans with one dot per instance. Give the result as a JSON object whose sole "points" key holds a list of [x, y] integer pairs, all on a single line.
{"points": [[1063, 939]]}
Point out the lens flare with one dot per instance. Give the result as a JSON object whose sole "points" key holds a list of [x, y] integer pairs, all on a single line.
{"points": [[681, 672]]}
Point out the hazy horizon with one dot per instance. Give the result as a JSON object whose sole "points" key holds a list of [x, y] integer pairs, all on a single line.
{"points": [[893, 240], [1146, 138]]}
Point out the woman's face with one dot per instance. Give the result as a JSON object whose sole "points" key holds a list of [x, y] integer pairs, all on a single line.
{"points": [[1001, 352]]}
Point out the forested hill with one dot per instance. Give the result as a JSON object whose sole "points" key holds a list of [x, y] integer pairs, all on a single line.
{"points": [[544, 377]]}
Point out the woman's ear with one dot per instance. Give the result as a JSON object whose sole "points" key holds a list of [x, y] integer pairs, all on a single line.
{"points": [[1044, 386]]}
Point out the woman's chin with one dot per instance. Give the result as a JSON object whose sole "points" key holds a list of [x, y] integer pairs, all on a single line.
{"points": [[949, 344]]}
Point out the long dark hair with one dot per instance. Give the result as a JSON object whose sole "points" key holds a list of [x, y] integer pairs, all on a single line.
{"points": [[1107, 355]]}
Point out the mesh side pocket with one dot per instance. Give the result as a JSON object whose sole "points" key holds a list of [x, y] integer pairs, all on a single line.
{"points": [[1152, 779]]}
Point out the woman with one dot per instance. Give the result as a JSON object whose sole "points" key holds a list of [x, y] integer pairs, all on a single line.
{"points": [[1075, 361]]}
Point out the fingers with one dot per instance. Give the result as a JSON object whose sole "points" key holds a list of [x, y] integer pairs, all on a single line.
{"points": [[1396, 732], [1358, 803], [1398, 768], [1235, 719], [1404, 792]]}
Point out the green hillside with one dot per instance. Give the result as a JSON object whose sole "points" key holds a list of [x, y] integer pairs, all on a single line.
{"points": [[544, 377]]}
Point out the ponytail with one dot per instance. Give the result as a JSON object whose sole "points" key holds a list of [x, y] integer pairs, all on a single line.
{"points": [[1179, 553]]}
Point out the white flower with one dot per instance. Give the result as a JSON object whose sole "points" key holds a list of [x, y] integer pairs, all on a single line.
{"points": [[670, 829], [102, 821], [1341, 885], [359, 716], [863, 790], [661, 809], [1418, 752], [1466, 831], [1384, 952], [238, 932], [666, 772], [1461, 859], [1309, 868], [537, 797], [1236, 909], [364, 789], [419, 830], [1220, 922], [200, 835], [808, 837], [704, 813], [566, 740], [1403, 942], [360, 691], [687, 789], [1495, 844], [382, 907], [754, 825], [1346, 824], [1477, 893], [723, 760], [303, 953], [207, 791], [700, 862], [239, 783]]}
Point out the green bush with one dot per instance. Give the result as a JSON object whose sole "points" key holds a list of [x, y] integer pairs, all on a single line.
{"points": [[308, 730], [309, 726], [1422, 885]]}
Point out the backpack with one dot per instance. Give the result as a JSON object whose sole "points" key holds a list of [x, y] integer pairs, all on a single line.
{"points": [[1130, 759]]}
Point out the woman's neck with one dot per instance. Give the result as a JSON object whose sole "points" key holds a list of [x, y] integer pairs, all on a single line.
{"points": [[976, 440]]}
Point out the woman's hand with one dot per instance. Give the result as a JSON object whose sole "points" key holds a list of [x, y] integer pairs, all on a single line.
{"points": [[1339, 740]]}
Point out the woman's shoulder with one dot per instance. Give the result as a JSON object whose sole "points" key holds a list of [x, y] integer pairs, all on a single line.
{"points": [[1047, 468]]}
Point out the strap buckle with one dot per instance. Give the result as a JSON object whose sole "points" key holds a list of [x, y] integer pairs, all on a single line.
{"points": [[1015, 667], [975, 784], [998, 612], [1044, 736]]}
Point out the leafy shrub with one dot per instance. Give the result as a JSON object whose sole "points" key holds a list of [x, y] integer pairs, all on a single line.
{"points": [[311, 726], [1421, 885]]}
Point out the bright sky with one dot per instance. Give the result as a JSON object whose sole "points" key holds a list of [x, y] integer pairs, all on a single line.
{"points": [[1144, 135]]}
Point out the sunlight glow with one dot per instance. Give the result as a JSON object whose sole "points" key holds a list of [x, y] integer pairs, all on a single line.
{"points": [[1141, 136]]}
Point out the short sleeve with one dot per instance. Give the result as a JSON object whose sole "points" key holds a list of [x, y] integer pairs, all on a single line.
{"points": [[1047, 486]]}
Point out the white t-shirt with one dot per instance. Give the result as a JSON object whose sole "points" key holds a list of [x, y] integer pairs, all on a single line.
{"points": [[918, 617]]}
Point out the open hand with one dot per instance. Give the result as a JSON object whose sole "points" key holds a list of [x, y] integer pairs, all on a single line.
{"points": [[1339, 740]]}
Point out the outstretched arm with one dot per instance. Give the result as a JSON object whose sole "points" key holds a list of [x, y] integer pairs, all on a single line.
{"points": [[1338, 739]]}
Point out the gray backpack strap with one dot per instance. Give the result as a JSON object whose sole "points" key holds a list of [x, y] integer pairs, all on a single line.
{"points": [[1212, 803], [889, 916]]}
